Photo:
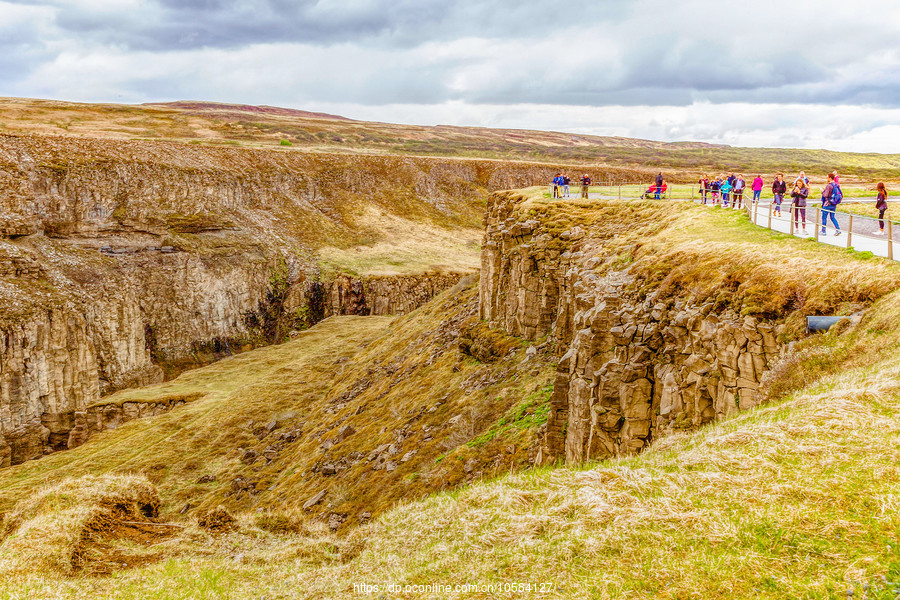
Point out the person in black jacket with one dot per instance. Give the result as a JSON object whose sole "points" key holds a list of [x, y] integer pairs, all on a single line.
{"points": [[659, 184], [779, 187], [798, 203], [585, 184]]}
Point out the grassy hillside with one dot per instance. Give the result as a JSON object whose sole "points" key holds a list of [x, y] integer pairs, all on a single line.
{"points": [[794, 499], [291, 130], [268, 428]]}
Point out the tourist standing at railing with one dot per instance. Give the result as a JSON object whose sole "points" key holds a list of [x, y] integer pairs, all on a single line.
{"points": [[585, 184], [659, 183], [557, 185], [714, 187], [881, 205], [829, 203], [779, 187], [798, 203], [725, 188], [566, 181], [757, 187], [738, 190], [704, 186]]}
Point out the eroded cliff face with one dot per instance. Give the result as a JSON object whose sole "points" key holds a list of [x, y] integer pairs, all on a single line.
{"points": [[385, 295], [635, 363], [118, 258]]}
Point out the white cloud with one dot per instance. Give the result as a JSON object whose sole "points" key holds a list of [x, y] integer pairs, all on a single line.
{"points": [[767, 72]]}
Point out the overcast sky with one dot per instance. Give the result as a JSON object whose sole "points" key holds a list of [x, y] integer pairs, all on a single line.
{"points": [[795, 73]]}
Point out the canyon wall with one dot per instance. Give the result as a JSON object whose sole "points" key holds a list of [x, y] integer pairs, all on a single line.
{"points": [[121, 258], [634, 363], [385, 295]]}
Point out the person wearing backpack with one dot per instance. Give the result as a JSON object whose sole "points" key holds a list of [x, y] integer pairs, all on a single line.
{"points": [[798, 203], [566, 181], [738, 191], [881, 205], [779, 187], [757, 187], [831, 197]]}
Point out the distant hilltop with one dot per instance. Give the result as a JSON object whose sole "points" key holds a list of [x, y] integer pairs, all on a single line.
{"points": [[222, 107], [289, 129]]}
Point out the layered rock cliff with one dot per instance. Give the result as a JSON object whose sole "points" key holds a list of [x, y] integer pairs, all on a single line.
{"points": [[120, 260], [635, 361]]}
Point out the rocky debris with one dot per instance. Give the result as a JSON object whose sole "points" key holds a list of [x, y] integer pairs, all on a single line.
{"points": [[345, 432], [217, 520], [381, 456], [12, 226], [118, 250], [249, 456], [316, 499], [631, 368], [335, 520], [331, 467], [364, 517], [207, 479], [271, 452], [241, 485]]}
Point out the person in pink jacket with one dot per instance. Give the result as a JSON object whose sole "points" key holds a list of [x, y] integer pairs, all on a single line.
{"points": [[757, 187]]}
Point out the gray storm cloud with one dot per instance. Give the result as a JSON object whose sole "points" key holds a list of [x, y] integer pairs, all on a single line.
{"points": [[640, 54]]}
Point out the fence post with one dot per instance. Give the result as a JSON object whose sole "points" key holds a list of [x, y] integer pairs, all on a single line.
{"points": [[755, 211], [890, 240], [692, 193], [793, 216], [850, 231], [620, 191], [816, 223], [771, 206]]}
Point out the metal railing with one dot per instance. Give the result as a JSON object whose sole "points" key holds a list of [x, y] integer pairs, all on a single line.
{"points": [[860, 232]]}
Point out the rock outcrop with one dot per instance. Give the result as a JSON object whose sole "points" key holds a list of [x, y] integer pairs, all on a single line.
{"points": [[634, 363], [385, 295]]}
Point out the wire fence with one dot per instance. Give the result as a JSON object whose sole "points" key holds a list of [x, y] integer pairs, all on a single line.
{"points": [[843, 229]]}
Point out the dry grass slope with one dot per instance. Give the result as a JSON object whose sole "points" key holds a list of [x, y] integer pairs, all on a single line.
{"points": [[266, 429], [797, 498], [301, 131]]}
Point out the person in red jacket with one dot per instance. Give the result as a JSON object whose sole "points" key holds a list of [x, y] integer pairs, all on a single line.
{"points": [[757, 187], [881, 205]]}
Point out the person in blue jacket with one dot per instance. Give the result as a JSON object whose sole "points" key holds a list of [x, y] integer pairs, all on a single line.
{"points": [[725, 189], [828, 205]]}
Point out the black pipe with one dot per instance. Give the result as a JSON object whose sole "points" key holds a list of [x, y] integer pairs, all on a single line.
{"points": [[817, 324]]}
